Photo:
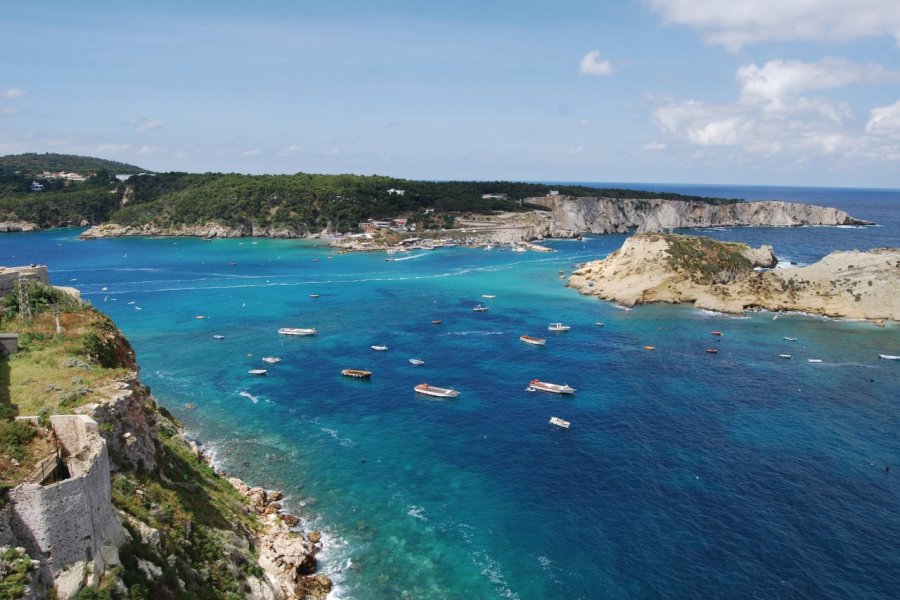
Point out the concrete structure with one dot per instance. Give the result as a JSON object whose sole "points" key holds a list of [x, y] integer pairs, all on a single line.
{"points": [[9, 343], [62, 513], [10, 275]]}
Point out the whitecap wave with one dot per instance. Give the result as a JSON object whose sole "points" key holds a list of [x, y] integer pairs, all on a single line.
{"points": [[417, 512]]}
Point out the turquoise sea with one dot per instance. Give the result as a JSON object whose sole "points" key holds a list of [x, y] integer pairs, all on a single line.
{"points": [[683, 475]]}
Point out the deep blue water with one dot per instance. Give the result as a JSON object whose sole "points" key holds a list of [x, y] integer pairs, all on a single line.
{"points": [[683, 475]]}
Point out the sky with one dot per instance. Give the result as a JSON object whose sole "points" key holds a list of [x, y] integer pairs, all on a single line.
{"points": [[768, 92]]}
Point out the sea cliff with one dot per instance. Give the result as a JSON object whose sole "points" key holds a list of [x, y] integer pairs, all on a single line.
{"points": [[206, 230], [726, 277], [622, 215]]}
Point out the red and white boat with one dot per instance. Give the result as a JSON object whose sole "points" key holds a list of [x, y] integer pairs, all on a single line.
{"points": [[439, 392], [297, 331], [534, 341], [715, 333], [554, 388]]}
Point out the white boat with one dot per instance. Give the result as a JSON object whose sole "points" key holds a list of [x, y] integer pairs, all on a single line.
{"points": [[488, 296], [480, 308], [599, 324], [534, 341], [258, 372], [314, 295], [439, 392], [559, 422], [379, 348], [814, 360], [200, 317], [357, 373], [784, 356], [889, 357], [416, 361], [554, 388], [218, 337], [558, 327], [271, 359], [791, 339], [297, 331]]}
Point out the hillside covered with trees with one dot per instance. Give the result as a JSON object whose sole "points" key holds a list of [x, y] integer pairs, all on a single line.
{"points": [[296, 202]]}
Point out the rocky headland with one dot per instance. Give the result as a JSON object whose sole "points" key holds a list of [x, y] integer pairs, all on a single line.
{"points": [[17, 227], [205, 230], [731, 278]]}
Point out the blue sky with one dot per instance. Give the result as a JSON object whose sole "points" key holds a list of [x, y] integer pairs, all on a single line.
{"points": [[690, 91]]}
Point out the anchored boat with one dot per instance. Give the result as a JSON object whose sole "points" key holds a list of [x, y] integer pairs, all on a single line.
{"points": [[439, 392], [534, 341], [537, 385], [416, 361], [558, 327], [559, 422], [271, 359], [258, 372], [297, 331], [357, 373]]}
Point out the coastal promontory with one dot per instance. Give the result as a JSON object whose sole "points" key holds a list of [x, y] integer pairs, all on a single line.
{"points": [[731, 277]]}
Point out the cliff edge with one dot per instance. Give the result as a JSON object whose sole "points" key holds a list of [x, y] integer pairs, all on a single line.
{"points": [[725, 277]]}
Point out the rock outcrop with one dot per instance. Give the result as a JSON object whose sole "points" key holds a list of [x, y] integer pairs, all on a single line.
{"points": [[206, 230], [288, 557], [614, 215], [17, 227], [722, 276]]}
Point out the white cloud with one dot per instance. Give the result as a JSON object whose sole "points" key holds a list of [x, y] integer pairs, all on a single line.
{"points": [[885, 120], [583, 123], [591, 65], [144, 125], [577, 150], [252, 152], [737, 23], [12, 93], [291, 149], [8, 111], [149, 150], [778, 79], [655, 146]]}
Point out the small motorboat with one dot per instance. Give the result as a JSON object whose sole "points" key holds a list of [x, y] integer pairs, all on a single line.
{"points": [[559, 422], [379, 348], [438, 392], [218, 337], [200, 317], [271, 360], [558, 327], [314, 295], [436, 322], [712, 351], [784, 356], [715, 333], [488, 296], [599, 324], [889, 357], [357, 373], [536, 385], [791, 339], [416, 361], [534, 341], [649, 347], [813, 360], [481, 308], [258, 372], [297, 331]]}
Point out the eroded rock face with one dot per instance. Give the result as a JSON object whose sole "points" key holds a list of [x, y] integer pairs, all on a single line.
{"points": [[609, 215], [17, 226], [854, 285]]}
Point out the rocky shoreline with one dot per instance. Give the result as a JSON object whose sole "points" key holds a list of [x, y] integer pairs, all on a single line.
{"points": [[729, 278]]}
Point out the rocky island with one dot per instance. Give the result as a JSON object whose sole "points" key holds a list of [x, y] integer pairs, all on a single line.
{"points": [[730, 277]]}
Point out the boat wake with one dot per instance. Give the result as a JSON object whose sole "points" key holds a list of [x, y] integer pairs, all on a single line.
{"points": [[250, 396], [345, 442], [463, 333]]}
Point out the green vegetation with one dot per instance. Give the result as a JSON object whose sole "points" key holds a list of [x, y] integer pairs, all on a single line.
{"points": [[300, 202], [14, 568], [706, 260]]}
